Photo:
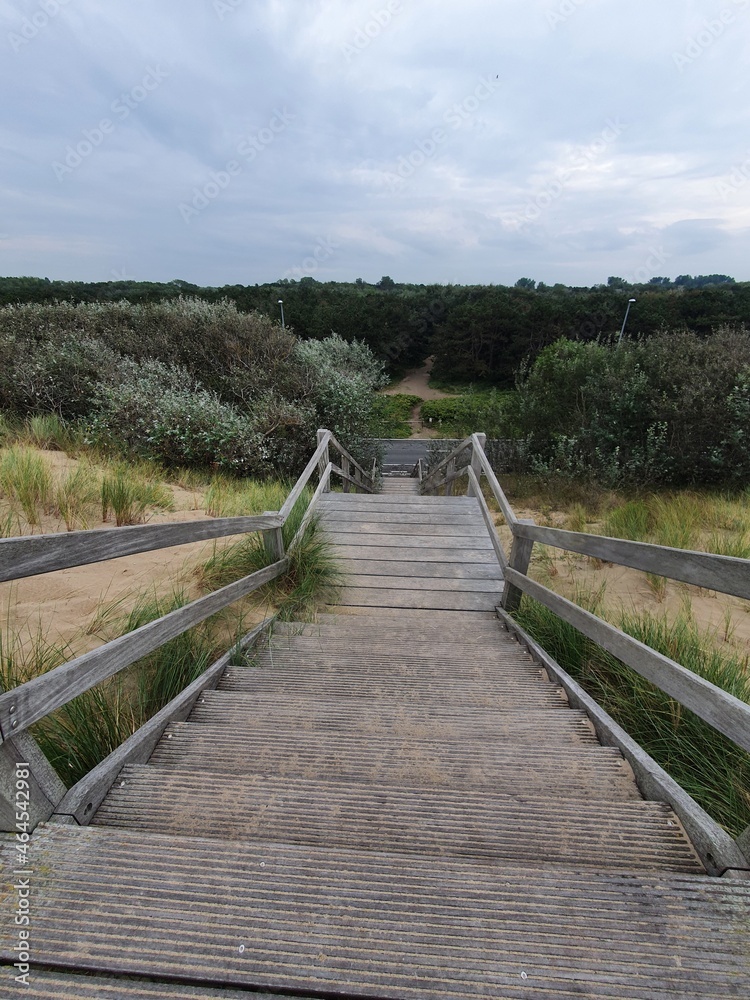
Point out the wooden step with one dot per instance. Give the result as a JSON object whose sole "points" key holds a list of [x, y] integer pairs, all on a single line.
{"points": [[347, 923], [427, 552], [589, 833], [459, 630], [433, 657], [418, 568], [46, 985], [313, 679], [388, 760], [442, 600], [369, 717]]}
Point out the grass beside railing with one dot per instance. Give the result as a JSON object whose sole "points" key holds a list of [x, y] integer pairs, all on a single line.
{"points": [[313, 577], [79, 735], [705, 763]]}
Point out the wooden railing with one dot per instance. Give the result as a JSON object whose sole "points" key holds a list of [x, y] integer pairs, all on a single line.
{"points": [[30, 702], [726, 574]]}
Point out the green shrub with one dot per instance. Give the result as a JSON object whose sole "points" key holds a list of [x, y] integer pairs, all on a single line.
{"points": [[458, 416], [670, 410], [157, 411], [391, 415]]}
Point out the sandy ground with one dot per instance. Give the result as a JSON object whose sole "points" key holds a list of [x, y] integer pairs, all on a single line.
{"points": [[61, 607], [629, 591], [416, 383]]}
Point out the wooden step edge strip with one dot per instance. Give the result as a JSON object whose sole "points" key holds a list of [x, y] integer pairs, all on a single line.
{"points": [[717, 851], [79, 805]]}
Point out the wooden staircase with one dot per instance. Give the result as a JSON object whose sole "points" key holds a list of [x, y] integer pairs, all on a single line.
{"points": [[393, 802]]}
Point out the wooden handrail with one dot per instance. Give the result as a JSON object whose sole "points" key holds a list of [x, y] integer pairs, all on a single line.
{"points": [[32, 701], [345, 454], [466, 444], [720, 709], [291, 500], [726, 574], [31, 555]]}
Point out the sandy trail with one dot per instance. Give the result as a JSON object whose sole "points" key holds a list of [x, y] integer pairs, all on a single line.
{"points": [[416, 383]]}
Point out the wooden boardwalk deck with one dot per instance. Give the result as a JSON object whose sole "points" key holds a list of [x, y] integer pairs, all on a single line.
{"points": [[393, 802]]}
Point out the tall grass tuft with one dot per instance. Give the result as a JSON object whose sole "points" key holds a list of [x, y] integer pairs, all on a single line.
{"points": [[76, 495], [128, 496], [47, 431], [313, 576], [79, 735], [26, 481], [709, 766]]}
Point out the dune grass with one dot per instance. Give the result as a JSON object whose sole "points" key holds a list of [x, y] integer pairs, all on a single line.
{"points": [[127, 493], [709, 766], [26, 481], [313, 577]]}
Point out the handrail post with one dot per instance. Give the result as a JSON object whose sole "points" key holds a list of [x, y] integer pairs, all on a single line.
{"points": [[23, 767], [324, 460], [448, 473], [520, 557], [347, 470], [476, 461], [273, 542]]}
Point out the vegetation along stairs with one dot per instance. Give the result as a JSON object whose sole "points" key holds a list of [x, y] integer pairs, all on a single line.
{"points": [[400, 800]]}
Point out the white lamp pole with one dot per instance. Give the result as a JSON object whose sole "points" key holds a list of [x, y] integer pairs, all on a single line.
{"points": [[283, 324], [627, 313]]}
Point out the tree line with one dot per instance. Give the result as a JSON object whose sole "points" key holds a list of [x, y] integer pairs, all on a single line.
{"points": [[478, 334]]}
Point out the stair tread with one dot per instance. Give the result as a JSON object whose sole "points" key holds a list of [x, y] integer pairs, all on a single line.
{"points": [[587, 831], [300, 918]]}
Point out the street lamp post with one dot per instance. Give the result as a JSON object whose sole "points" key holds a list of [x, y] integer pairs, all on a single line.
{"points": [[283, 324], [627, 313]]}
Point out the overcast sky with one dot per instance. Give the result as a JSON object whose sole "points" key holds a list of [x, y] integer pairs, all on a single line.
{"points": [[464, 141]]}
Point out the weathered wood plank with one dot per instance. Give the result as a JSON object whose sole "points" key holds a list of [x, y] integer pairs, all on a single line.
{"points": [[721, 710], [409, 553], [84, 798], [415, 541], [312, 465], [488, 519], [31, 701], [726, 574], [467, 529], [715, 847], [445, 570], [394, 598], [405, 517], [35, 554], [466, 585], [497, 490]]}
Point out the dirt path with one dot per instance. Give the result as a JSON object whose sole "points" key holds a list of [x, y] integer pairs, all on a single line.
{"points": [[416, 383]]}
